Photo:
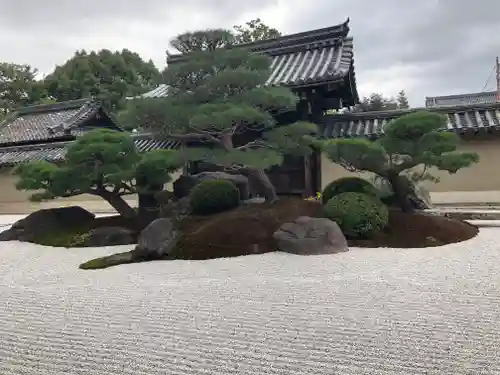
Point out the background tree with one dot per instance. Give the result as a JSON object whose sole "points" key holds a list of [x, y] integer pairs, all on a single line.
{"points": [[253, 31], [18, 87], [410, 141], [377, 102], [108, 76], [402, 100], [217, 99], [104, 163]]}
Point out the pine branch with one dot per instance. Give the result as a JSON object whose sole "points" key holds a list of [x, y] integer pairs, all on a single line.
{"points": [[193, 137], [253, 144]]}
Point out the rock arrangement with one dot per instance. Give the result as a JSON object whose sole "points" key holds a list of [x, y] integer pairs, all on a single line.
{"points": [[290, 225]]}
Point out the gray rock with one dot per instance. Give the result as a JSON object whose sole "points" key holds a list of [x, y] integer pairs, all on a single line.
{"points": [[311, 236], [110, 236], [175, 209], [421, 197], [157, 240], [47, 220], [184, 184]]}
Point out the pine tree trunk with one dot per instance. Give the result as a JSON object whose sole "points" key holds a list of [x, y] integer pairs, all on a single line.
{"points": [[256, 177], [119, 204], [400, 193], [259, 179]]}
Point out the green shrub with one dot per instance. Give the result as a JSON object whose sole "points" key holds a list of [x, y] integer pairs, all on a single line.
{"points": [[358, 215], [348, 185], [213, 196]]}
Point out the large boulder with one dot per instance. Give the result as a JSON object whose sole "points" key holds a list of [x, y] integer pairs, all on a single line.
{"points": [[157, 240], [110, 236], [310, 236], [184, 184], [47, 220]]}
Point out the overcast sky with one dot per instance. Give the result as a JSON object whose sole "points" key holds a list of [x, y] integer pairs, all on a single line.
{"points": [[427, 47]]}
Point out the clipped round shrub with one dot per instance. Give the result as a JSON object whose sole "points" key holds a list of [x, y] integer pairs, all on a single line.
{"points": [[213, 196], [359, 215], [348, 185]]}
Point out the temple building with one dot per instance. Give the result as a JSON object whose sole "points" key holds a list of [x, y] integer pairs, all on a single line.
{"points": [[478, 126], [41, 133], [484, 97], [318, 66]]}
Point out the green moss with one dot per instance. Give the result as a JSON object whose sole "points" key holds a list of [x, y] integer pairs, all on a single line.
{"points": [[95, 264], [68, 238]]}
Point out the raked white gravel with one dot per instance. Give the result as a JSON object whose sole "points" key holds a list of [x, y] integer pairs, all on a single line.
{"points": [[368, 311]]}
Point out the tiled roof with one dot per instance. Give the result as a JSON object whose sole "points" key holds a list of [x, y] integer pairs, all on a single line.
{"points": [[13, 155], [485, 97], [303, 59], [321, 64], [45, 122], [370, 124]]}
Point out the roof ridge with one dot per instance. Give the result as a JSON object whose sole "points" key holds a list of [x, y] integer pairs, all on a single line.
{"points": [[452, 96], [70, 121], [330, 34], [53, 107], [390, 112]]}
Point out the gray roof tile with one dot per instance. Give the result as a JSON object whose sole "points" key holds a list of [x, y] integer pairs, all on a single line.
{"points": [[371, 124], [45, 122], [308, 58], [53, 152], [485, 97]]}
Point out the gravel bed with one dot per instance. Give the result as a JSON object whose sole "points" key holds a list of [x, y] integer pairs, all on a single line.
{"points": [[367, 311]]}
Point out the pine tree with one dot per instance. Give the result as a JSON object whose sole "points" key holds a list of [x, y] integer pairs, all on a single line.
{"points": [[402, 100], [413, 140], [218, 99]]}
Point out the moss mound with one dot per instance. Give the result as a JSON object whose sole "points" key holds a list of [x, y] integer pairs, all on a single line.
{"points": [[76, 235], [247, 229], [419, 230]]}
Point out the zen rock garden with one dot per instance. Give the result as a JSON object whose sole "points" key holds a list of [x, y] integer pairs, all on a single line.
{"points": [[230, 120]]}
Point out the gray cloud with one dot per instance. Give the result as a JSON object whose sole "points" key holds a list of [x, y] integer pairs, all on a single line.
{"points": [[428, 48]]}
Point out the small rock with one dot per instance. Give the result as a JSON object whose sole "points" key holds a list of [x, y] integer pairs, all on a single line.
{"points": [[311, 236]]}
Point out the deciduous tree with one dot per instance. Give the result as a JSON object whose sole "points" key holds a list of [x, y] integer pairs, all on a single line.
{"points": [[402, 100], [18, 87], [107, 76], [410, 141], [254, 30]]}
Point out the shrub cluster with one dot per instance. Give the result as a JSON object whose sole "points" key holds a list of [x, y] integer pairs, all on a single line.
{"points": [[348, 185], [214, 196], [354, 204]]}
